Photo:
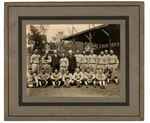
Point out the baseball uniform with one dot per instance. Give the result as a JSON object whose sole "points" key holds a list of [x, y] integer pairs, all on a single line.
{"points": [[106, 60], [64, 63], [92, 62], [35, 61], [56, 79], [113, 65], [101, 62], [43, 78], [46, 61], [78, 77], [67, 79], [89, 77], [100, 77], [31, 80], [78, 59], [84, 62]]}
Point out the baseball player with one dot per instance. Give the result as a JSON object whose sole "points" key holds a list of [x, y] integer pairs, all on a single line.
{"points": [[31, 79], [84, 62], [92, 61], [67, 79], [78, 77], [106, 55], [113, 66], [46, 61], [43, 78], [89, 78], [64, 63], [78, 58], [100, 78], [107, 71], [56, 78], [101, 61], [35, 61]]}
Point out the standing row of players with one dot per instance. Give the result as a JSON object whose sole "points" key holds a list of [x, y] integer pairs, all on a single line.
{"points": [[104, 62]]}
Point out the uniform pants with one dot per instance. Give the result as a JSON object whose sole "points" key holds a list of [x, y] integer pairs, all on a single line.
{"points": [[67, 82], [106, 66], [84, 67], [48, 68], [63, 69], [35, 68], [89, 81], [101, 82], [92, 67], [101, 66], [113, 70]]}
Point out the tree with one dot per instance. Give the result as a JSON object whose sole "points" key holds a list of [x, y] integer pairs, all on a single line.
{"points": [[36, 36], [57, 38]]}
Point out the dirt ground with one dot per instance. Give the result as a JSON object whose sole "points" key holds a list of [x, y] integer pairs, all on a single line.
{"points": [[111, 90]]}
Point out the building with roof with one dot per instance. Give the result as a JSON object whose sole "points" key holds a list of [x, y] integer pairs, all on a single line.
{"points": [[105, 36]]}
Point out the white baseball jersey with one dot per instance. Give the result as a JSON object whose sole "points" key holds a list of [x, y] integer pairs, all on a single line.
{"points": [[35, 58], [78, 57], [84, 59], [92, 59], [101, 60], [64, 62], [107, 58], [55, 76], [89, 75], [78, 76], [100, 76], [113, 59]]}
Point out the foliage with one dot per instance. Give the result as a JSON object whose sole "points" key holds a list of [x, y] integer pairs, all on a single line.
{"points": [[37, 38]]}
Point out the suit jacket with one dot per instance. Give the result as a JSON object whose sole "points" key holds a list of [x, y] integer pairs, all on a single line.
{"points": [[55, 61], [72, 62]]}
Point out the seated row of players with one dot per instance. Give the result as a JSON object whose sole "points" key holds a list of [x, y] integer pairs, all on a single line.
{"points": [[67, 79]]}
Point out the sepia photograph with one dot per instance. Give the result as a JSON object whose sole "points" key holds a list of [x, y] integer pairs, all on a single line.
{"points": [[73, 60]]}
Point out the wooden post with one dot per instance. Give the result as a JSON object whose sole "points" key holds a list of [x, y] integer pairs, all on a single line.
{"points": [[83, 45], [73, 43], [109, 43], [98, 45], [90, 38]]}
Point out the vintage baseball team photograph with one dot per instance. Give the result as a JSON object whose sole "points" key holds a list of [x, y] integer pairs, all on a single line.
{"points": [[73, 60]]}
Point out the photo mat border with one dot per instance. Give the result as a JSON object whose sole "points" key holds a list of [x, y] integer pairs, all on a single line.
{"points": [[141, 62]]}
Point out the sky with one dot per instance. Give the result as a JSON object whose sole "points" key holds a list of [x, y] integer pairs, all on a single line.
{"points": [[52, 30]]}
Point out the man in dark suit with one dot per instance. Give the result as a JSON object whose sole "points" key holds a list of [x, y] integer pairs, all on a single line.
{"points": [[72, 62], [55, 61]]}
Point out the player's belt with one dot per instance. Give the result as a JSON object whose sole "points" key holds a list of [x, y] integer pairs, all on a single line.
{"points": [[101, 64], [31, 81], [92, 63], [35, 63], [63, 66], [112, 63]]}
